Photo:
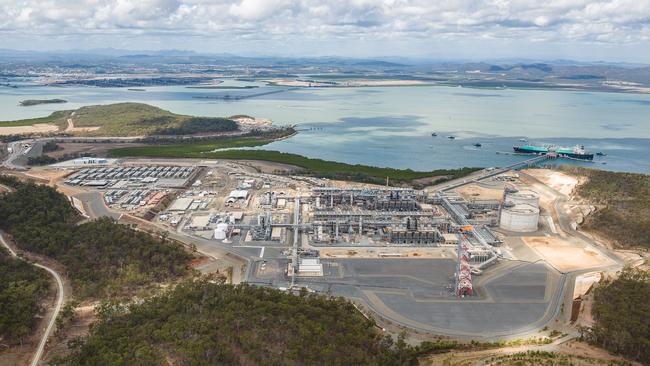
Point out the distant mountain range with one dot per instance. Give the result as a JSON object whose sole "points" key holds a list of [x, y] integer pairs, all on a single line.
{"points": [[388, 61], [101, 67]]}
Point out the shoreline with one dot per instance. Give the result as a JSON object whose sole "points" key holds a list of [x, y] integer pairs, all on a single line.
{"points": [[559, 87]]}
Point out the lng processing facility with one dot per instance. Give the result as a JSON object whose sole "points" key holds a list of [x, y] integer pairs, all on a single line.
{"points": [[325, 216], [488, 256]]}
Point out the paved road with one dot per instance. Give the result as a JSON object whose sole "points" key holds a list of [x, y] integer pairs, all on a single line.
{"points": [[57, 308], [17, 158], [94, 207]]}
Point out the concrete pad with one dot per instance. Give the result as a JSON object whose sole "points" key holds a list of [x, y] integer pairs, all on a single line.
{"points": [[418, 293], [566, 255]]}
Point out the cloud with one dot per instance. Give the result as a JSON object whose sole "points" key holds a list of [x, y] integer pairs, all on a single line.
{"points": [[586, 21]]}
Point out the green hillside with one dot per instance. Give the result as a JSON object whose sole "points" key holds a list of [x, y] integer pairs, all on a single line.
{"points": [[21, 290], [200, 322], [131, 119], [58, 118], [625, 198], [137, 119], [102, 257], [621, 310]]}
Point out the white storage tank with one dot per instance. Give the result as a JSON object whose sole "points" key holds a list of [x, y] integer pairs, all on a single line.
{"points": [[219, 234], [522, 197], [220, 231], [520, 218]]}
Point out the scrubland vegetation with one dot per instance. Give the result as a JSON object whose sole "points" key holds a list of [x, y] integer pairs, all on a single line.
{"points": [[131, 119], [307, 166], [22, 288], [624, 217], [101, 257], [621, 309]]}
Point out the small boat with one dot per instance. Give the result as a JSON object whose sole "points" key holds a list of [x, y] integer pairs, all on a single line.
{"points": [[451, 137], [601, 154], [478, 144], [523, 140], [434, 134]]}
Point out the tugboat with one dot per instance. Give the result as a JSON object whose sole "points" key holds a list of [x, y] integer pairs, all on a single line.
{"points": [[576, 152]]}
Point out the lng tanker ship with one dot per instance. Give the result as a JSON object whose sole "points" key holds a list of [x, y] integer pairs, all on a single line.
{"points": [[576, 152]]}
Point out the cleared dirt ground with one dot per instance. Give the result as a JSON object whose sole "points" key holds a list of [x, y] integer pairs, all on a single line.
{"points": [[575, 353], [50, 175], [475, 191], [267, 167], [99, 149], [72, 129], [566, 255], [559, 181], [37, 128], [78, 327]]}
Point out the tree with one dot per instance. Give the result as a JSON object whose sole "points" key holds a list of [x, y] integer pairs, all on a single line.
{"points": [[621, 309]]}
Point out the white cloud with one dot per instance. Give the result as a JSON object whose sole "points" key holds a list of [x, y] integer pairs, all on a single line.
{"points": [[586, 21]]}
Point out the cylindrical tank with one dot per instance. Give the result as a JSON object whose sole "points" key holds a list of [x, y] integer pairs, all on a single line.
{"points": [[523, 197], [219, 234], [519, 218], [220, 231]]}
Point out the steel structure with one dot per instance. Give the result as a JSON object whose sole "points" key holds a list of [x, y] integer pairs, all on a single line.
{"points": [[464, 285]]}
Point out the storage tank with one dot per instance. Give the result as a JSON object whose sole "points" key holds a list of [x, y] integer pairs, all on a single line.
{"points": [[519, 197], [519, 218], [220, 231], [219, 234]]}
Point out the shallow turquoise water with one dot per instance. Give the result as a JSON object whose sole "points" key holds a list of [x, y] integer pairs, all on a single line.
{"points": [[392, 126]]}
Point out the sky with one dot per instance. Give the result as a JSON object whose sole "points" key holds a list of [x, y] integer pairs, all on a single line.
{"points": [[608, 30]]}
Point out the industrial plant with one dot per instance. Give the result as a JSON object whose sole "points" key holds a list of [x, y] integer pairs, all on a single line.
{"points": [[228, 204]]}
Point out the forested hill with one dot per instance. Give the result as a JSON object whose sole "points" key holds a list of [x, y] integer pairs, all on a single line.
{"points": [[130, 119], [621, 309], [205, 323], [101, 257], [22, 287], [625, 198]]}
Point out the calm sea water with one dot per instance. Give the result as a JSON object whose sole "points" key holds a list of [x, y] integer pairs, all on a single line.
{"points": [[392, 126]]}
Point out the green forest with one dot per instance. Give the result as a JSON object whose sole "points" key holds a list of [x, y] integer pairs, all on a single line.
{"points": [[625, 198], [307, 166], [22, 287], [621, 309], [201, 322], [101, 257], [198, 125]]}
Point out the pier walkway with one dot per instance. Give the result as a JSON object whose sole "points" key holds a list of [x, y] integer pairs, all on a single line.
{"points": [[487, 173]]}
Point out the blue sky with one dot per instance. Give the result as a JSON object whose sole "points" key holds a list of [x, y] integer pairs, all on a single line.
{"points": [[612, 30]]}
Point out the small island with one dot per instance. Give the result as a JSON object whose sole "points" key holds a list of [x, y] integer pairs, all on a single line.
{"points": [[31, 102]]}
